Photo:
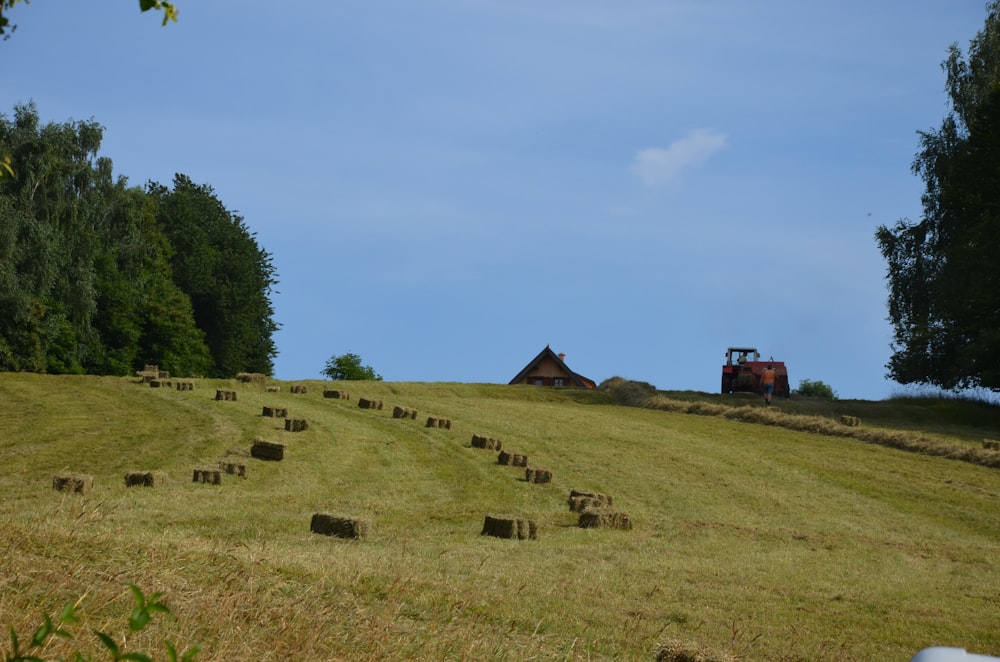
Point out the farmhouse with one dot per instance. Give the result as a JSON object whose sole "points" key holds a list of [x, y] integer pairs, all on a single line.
{"points": [[549, 369]]}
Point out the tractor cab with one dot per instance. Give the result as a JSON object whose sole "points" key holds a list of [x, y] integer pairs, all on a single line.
{"points": [[741, 355]]}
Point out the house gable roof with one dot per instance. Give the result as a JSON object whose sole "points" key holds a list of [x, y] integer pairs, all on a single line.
{"points": [[547, 353]]}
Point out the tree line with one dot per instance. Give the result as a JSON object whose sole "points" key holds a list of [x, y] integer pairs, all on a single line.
{"points": [[100, 277]]}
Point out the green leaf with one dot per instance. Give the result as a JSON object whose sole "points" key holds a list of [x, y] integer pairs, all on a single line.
{"points": [[140, 598], [69, 614], [139, 619], [14, 646], [189, 654], [146, 5], [43, 632], [109, 643]]}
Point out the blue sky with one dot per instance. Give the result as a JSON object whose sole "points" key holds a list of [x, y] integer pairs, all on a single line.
{"points": [[448, 186]]}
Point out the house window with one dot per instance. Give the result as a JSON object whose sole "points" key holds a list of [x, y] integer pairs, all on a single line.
{"points": [[558, 381], [539, 381]]}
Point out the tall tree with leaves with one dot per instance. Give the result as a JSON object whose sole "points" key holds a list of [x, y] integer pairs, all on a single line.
{"points": [[943, 272], [85, 285], [229, 278]]}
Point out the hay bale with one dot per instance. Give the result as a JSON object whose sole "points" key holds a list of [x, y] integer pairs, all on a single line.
{"points": [[229, 396], [488, 443], [185, 386], [509, 459], [275, 412], [677, 651], [991, 444], [233, 468], [340, 527], [365, 403], [299, 388], [251, 377], [267, 450], [295, 424], [579, 500], [503, 526], [152, 369], [404, 412], [850, 421], [272, 389], [76, 483], [207, 476], [604, 518], [145, 479], [163, 374], [160, 383], [336, 395], [535, 475]]}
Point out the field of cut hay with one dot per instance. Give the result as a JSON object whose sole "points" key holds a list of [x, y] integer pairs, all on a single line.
{"points": [[364, 536]]}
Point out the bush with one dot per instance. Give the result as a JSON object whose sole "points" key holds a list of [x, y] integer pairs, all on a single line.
{"points": [[816, 389], [348, 367]]}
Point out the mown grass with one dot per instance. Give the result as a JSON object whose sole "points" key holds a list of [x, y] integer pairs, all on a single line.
{"points": [[749, 539]]}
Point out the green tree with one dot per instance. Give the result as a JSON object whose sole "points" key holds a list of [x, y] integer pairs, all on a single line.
{"points": [[816, 389], [85, 282], [229, 278], [943, 275], [349, 367]]}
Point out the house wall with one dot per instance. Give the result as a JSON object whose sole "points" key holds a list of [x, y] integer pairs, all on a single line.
{"points": [[548, 372]]}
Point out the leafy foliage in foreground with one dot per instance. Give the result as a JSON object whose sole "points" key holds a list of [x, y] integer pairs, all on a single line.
{"points": [[139, 619]]}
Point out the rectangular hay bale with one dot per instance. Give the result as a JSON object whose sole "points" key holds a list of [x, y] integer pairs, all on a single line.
{"points": [[145, 479], [593, 518], [514, 528], [510, 459], [76, 483], [233, 468], [296, 424], [538, 476], [339, 527], [207, 476], [488, 443], [579, 500], [267, 450]]}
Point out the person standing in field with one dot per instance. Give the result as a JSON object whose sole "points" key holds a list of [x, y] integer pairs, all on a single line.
{"points": [[767, 381]]}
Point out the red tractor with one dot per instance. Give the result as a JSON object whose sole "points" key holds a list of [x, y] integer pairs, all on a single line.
{"points": [[744, 369]]}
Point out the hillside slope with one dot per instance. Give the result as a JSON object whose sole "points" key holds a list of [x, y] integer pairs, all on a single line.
{"points": [[747, 540]]}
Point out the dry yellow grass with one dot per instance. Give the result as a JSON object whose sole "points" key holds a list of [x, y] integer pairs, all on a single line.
{"points": [[749, 541]]}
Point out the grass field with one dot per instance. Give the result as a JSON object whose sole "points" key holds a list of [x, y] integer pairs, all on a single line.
{"points": [[749, 540]]}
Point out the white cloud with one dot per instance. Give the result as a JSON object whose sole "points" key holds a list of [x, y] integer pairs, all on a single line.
{"points": [[656, 166]]}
